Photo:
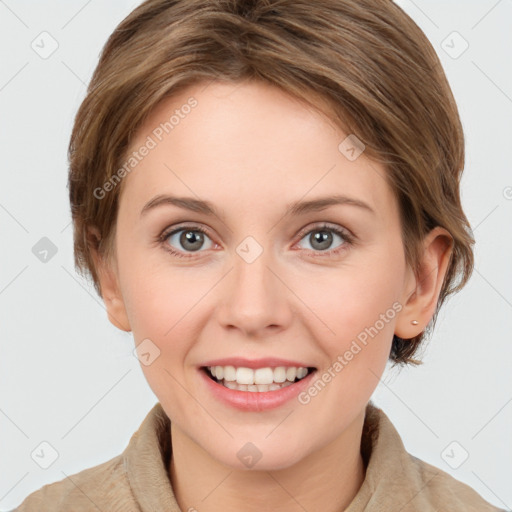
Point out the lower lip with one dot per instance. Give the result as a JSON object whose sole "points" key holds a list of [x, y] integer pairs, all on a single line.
{"points": [[256, 400]]}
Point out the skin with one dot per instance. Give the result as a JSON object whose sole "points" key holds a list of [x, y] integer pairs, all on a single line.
{"points": [[250, 149]]}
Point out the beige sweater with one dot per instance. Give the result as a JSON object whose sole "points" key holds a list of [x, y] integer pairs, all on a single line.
{"points": [[137, 479]]}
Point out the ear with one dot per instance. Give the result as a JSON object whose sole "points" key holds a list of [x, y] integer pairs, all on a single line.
{"points": [[421, 293], [109, 284]]}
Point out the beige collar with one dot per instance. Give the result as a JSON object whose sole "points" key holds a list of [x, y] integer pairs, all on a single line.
{"points": [[394, 481]]}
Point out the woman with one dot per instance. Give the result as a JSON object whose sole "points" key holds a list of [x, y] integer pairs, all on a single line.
{"points": [[267, 195]]}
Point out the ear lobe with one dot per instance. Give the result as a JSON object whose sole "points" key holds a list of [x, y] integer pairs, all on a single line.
{"points": [[117, 314], [109, 284], [420, 304]]}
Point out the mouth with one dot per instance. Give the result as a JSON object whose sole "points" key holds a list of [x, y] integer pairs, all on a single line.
{"points": [[259, 380]]}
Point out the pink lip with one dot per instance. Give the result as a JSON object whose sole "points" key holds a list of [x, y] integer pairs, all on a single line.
{"points": [[272, 362], [255, 401]]}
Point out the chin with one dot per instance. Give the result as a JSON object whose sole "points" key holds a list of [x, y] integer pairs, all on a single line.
{"points": [[252, 456]]}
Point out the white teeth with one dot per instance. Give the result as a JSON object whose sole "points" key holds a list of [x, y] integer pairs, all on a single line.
{"points": [[255, 387], [260, 377], [291, 373], [263, 376], [280, 374], [219, 372], [245, 375], [229, 373]]}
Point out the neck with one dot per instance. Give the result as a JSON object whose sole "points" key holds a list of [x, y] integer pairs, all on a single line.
{"points": [[326, 480]]}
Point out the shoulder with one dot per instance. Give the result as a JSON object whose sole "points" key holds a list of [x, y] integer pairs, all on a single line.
{"points": [[439, 488], [102, 487], [119, 484], [396, 479]]}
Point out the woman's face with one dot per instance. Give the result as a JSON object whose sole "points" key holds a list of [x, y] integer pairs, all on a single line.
{"points": [[260, 282]]}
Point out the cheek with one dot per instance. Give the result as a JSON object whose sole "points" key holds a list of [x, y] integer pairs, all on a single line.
{"points": [[348, 301], [152, 291], [354, 326], [162, 305], [161, 309]]}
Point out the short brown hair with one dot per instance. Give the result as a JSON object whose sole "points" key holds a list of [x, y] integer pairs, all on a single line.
{"points": [[366, 59]]}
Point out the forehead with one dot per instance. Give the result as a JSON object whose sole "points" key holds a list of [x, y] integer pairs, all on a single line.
{"points": [[249, 144]]}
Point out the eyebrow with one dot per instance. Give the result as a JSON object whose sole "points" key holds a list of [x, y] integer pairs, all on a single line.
{"points": [[295, 208]]}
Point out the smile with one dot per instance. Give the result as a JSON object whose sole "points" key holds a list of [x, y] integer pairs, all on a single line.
{"points": [[256, 380]]}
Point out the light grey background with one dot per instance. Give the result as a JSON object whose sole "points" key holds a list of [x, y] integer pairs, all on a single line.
{"points": [[69, 378]]}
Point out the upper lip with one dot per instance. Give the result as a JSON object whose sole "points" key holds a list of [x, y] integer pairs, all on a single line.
{"points": [[265, 362]]}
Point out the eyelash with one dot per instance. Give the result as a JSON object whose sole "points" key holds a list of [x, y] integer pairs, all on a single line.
{"points": [[348, 239]]}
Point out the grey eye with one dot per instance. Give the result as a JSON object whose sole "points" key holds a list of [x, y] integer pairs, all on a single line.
{"points": [[189, 240], [321, 239]]}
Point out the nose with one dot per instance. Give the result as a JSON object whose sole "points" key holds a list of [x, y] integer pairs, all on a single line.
{"points": [[255, 298]]}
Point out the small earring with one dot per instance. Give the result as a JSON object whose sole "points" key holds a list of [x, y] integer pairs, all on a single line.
{"points": [[414, 322]]}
